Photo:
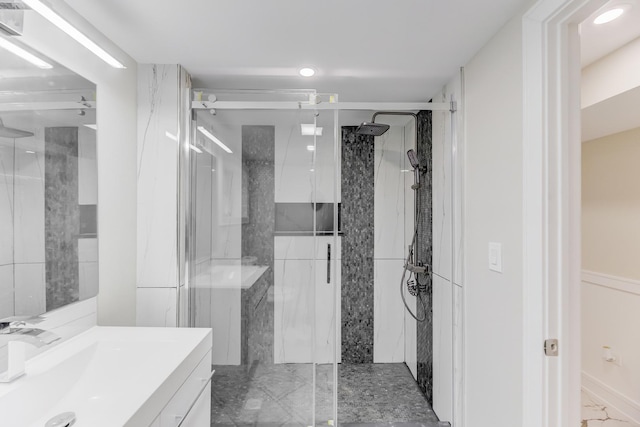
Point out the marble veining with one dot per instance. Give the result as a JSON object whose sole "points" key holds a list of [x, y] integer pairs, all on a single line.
{"points": [[62, 216], [596, 414], [358, 188], [424, 254]]}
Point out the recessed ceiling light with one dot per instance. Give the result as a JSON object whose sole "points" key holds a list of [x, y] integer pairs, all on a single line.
{"points": [[608, 16], [30, 152], [306, 72], [311, 148]]}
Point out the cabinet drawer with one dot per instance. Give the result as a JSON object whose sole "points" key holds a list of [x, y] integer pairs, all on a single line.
{"points": [[187, 394]]}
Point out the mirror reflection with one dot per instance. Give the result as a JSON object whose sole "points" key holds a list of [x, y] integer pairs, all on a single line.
{"points": [[48, 183]]}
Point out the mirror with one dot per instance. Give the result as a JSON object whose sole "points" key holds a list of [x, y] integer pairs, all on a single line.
{"points": [[48, 184]]}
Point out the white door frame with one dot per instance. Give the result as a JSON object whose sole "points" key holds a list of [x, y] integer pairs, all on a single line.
{"points": [[551, 203]]}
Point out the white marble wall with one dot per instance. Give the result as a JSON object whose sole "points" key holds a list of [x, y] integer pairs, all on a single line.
{"points": [[160, 88], [6, 227], [304, 301], [87, 195], [447, 264], [390, 244], [410, 324], [158, 97]]}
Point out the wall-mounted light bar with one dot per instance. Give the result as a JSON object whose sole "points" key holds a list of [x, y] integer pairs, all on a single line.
{"points": [[209, 135], [72, 31], [27, 56], [196, 149]]}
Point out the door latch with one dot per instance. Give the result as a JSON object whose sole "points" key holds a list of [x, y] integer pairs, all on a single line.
{"points": [[551, 347]]}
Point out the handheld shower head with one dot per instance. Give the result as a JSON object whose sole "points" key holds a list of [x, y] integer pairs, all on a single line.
{"points": [[413, 159], [415, 164]]}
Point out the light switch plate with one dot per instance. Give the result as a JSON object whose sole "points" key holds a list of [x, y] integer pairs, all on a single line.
{"points": [[495, 257]]}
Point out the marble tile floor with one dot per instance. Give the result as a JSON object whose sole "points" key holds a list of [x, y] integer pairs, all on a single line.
{"points": [[596, 414], [383, 395]]}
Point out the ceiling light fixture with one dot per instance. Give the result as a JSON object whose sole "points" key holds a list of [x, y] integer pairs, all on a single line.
{"points": [[608, 16], [18, 51], [310, 130], [311, 148], [30, 152], [307, 72], [209, 135], [72, 31]]}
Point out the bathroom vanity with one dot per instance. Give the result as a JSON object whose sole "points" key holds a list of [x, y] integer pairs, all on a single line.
{"points": [[116, 376]]}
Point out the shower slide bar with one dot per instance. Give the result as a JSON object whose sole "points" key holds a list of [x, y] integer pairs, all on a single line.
{"points": [[293, 105]]}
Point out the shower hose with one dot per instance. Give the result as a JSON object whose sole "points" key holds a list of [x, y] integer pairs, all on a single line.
{"points": [[420, 289]]}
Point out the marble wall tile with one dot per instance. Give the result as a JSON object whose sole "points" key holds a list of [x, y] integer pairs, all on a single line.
{"points": [[294, 302], [303, 175], [203, 205], [156, 307], [87, 280], [62, 216], [158, 112], [358, 194], [389, 194], [302, 247], [6, 291], [442, 347], [388, 309], [327, 312], [30, 293], [6, 203], [441, 195], [410, 334], [29, 240], [226, 322], [87, 166], [88, 250]]}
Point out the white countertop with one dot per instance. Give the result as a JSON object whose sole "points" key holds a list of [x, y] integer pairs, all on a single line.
{"points": [[107, 376]]}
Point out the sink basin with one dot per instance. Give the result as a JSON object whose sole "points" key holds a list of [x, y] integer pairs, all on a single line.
{"points": [[107, 376]]}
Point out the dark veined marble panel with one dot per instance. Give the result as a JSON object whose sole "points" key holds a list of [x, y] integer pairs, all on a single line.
{"points": [[425, 253], [61, 216]]}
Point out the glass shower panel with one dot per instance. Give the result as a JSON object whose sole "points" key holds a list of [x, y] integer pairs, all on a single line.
{"points": [[263, 255]]}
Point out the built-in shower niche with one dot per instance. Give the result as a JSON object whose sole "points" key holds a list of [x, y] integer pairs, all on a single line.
{"points": [[306, 219]]}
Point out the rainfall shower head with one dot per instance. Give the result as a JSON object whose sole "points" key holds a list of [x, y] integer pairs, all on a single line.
{"points": [[6, 132], [413, 159], [375, 129]]}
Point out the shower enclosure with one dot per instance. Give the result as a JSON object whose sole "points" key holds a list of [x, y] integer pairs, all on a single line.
{"points": [[298, 228]]}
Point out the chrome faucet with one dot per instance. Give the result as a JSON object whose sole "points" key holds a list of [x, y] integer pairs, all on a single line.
{"points": [[14, 334]]}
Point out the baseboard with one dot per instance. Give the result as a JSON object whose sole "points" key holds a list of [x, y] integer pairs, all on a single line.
{"points": [[614, 399], [613, 282]]}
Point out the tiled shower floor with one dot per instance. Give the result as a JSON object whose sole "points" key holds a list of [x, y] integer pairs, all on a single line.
{"points": [[282, 395]]}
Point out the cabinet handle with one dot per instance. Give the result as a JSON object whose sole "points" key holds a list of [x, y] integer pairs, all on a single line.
{"points": [[329, 263]]}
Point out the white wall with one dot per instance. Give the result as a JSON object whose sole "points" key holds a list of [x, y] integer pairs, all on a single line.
{"points": [[116, 118], [611, 286], [493, 213]]}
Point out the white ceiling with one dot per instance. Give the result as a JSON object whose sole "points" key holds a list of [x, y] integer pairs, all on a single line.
{"points": [[618, 113], [364, 50]]}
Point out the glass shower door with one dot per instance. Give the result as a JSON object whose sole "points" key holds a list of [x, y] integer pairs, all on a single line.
{"points": [[262, 253]]}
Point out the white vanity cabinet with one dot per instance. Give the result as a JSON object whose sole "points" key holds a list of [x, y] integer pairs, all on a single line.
{"points": [[190, 406]]}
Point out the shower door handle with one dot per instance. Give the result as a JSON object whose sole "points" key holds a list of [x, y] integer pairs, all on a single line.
{"points": [[329, 263]]}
